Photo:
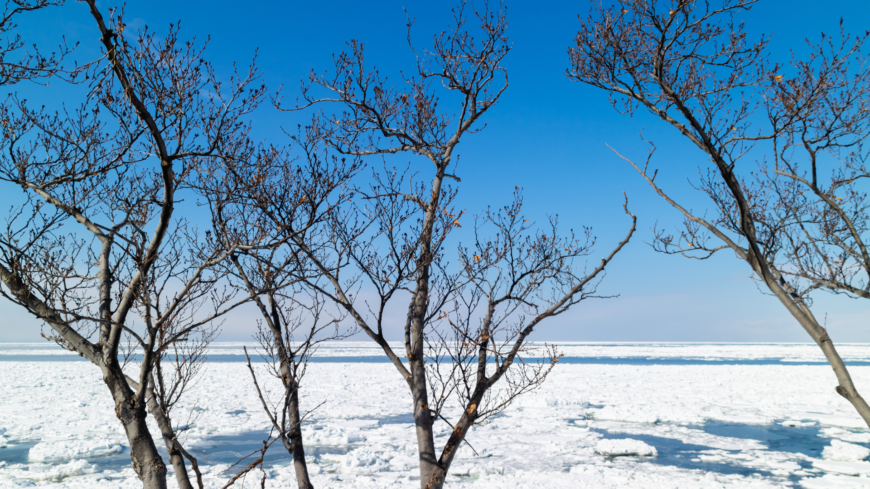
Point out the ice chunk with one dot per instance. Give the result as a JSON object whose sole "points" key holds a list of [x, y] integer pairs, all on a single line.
{"points": [[44, 472], [51, 451], [632, 414], [835, 481], [845, 468], [626, 446], [365, 461], [329, 436], [847, 452], [796, 423], [845, 435]]}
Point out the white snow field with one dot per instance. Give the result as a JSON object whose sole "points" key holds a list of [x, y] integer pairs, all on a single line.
{"points": [[728, 416]]}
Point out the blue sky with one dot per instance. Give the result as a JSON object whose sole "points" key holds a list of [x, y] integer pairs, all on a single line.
{"points": [[547, 134]]}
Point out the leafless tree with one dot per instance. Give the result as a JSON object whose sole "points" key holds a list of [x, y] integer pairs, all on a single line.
{"points": [[82, 248], [690, 63], [293, 330], [186, 358], [471, 320], [179, 329], [267, 200]]}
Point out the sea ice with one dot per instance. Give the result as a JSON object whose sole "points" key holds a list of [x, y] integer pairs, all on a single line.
{"points": [[26, 475], [844, 435], [626, 446], [847, 452], [707, 423], [329, 436], [54, 451], [836, 481], [796, 423], [841, 467]]}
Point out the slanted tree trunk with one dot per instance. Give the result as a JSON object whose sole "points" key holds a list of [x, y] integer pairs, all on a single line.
{"points": [[819, 334], [693, 67], [756, 259], [168, 434], [146, 461]]}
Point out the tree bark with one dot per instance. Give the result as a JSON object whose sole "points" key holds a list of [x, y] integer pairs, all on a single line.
{"points": [[846, 387], [429, 467], [297, 448], [146, 461], [165, 426]]}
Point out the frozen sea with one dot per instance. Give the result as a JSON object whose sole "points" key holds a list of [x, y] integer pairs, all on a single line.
{"points": [[705, 415]]}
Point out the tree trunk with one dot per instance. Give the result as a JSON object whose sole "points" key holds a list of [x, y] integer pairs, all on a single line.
{"points": [[431, 474], [791, 301], [430, 471], [757, 261], [846, 387], [165, 426], [297, 448], [146, 461]]}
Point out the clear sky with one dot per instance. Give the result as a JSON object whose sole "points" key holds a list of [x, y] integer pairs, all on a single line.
{"points": [[547, 134]]}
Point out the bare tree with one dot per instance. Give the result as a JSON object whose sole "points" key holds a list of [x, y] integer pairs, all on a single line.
{"points": [[471, 320], [293, 330], [267, 200], [178, 328], [98, 193], [187, 355], [691, 64]]}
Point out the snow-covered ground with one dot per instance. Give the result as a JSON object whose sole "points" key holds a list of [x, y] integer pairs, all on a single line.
{"points": [[685, 426]]}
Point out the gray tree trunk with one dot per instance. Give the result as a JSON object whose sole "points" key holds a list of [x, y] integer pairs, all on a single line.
{"points": [[846, 387], [429, 468], [297, 448], [165, 426], [146, 461]]}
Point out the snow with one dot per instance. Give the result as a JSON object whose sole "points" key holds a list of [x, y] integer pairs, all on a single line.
{"points": [[71, 450], [847, 452], [843, 467], [710, 426], [626, 446], [25, 476]]}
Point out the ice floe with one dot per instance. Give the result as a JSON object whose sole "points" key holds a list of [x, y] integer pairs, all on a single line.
{"points": [[626, 446], [72, 450], [847, 452], [710, 426]]}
